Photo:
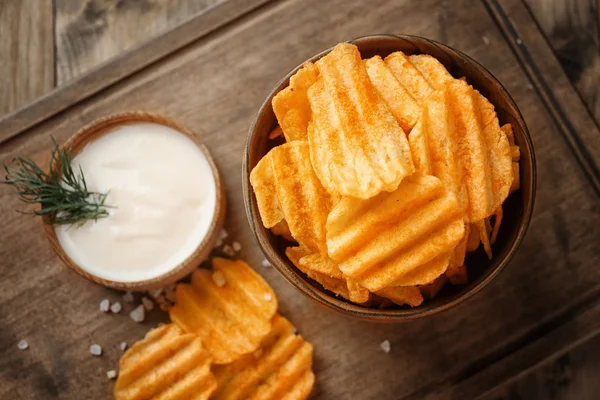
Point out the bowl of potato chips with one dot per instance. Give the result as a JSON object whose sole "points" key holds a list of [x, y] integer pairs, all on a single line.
{"points": [[389, 178]]}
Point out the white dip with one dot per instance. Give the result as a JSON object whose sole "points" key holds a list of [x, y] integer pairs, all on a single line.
{"points": [[163, 192]]}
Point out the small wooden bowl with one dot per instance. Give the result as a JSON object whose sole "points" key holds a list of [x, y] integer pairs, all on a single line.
{"points": [[517, 208], [98, 128]]}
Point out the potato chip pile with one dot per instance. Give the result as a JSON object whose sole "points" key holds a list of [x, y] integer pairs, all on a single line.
{"points": [[226, 341], [391, 171]]}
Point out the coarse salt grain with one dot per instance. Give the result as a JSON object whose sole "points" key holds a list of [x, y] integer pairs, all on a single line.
{"points": [[138, 314], [105, 305], [116, 307], [386, 346], [128, 297], [155, 293], [268, 297], [123, 346], [228, 250], [266, 263], [148, 304], [236, 246], [23, 345], [224, 234], [486, 40], [96, 350], [112, 374], [218, 278]]}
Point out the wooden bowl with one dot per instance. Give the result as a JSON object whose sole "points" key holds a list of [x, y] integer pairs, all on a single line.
{"points": [[517, 208], [98, 128]]}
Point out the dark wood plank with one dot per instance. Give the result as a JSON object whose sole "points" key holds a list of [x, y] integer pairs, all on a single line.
{"points": [[60, 98], [215, 86], [572, 376], [573, 29], [91, 32], [26, 52]]}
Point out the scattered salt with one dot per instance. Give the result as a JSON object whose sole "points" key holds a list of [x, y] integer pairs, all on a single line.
{"points": [[386, 346], [218, 243], [138, 314], [266, 263], [228, 250], [219, 278], [116, 307], [23, 345], [294, 330], [96, 350], [112, 374], [123, 346], [128, 297], [148, 304], [486, 40], [224, 234], [155, 293], [105, 305], [268, 297], [236, 246], [519, 41]]}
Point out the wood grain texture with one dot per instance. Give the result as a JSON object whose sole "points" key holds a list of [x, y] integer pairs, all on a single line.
{"points": [[26, 52], [215, 86], [91, 32], [573, 29]]}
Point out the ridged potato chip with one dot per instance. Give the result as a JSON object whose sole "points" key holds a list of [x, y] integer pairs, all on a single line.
{"points": [[304, 201], [402, 105], [426, 273], [402, 295], [357, 147], [167, 364], [378, 241], [432, 289], [230, 308], [409, 76], [281, 368], [457, 133], [432, 70], [327, 273], [263, 183], [291, 105], [282, 229]]}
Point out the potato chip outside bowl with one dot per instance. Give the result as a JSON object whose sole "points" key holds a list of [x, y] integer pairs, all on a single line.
{"points": [[518, 207]]}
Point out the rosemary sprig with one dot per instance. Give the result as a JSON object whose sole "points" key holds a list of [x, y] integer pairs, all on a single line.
{"points": [[62, 192]]}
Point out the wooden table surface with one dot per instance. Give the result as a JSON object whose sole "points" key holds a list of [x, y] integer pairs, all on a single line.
{"points": [[531, 334]]}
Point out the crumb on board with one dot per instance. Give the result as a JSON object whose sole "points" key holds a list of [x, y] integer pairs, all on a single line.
{"points": [[148, 304], [123, 346], [104, 305], [96, 350], [116, 308], [386, 346], [112, 374], [236, 246], [228, 250], [138, 314]]}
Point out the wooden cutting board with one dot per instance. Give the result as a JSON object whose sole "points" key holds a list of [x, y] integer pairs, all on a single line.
{"points": [[211, 74]]}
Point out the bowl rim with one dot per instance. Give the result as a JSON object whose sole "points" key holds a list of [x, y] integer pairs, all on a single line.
{"points": [[385, 315], [103, 125]]}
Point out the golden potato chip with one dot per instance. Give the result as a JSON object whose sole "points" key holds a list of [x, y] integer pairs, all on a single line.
{"points": [[281, 368], [230, 308], [484, 236], [458, 275], [426, 273], [497, 223], [275, 133], [402, 295], [291, 105], [404, 108], [327, 273], [357, 147], [457, 272], [431, 290], [166, 364], [263, 183], [304, 201], [516, 155], [432, 70], [473, 240], [282, 229], [409, 76], [379, 240], [458, 139]]}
